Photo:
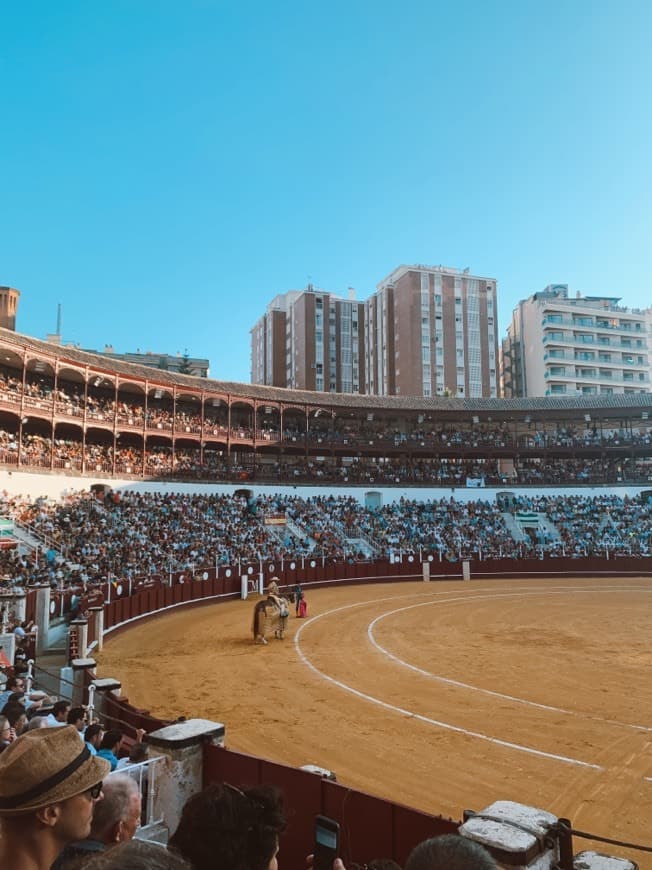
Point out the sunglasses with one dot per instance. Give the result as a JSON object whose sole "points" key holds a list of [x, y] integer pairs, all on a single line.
{"points": [[95, 791]]}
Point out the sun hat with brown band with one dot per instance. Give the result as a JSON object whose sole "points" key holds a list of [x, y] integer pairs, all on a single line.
{"points": [[45, 766]]}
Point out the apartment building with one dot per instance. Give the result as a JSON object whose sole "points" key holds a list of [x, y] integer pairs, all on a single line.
{"points": [[310, 340], [9, 299], [181, 363], [584, 345], [268, 342], [432, 331]]}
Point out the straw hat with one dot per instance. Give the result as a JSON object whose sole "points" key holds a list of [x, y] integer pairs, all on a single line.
{"points": [[45, 766]]}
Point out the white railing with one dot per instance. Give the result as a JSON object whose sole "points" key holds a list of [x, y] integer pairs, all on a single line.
{"points": [[147, 774]]}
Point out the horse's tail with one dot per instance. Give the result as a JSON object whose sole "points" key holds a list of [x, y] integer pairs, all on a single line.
{"points": [[254, 625]]}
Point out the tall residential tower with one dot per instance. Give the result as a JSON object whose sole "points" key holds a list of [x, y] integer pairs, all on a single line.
{"points": [[310, 340], [432, 331]]}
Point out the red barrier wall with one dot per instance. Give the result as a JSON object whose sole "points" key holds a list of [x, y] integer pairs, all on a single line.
{"points": [[225, 582], [371, 827]]}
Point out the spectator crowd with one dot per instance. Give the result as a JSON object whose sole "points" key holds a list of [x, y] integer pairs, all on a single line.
{"points": [[135, 536]]}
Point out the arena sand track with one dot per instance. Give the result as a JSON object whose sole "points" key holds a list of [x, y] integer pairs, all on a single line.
{"points": [[439, 695]]}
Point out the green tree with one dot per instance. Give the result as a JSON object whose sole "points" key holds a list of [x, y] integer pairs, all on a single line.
{"points": [[184, 366]]}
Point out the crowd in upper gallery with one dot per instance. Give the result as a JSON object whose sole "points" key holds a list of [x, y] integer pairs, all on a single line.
{"points": [[348, 427], [193, 464]]}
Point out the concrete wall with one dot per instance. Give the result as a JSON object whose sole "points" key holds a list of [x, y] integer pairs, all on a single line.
{"points": [[56, 486]]}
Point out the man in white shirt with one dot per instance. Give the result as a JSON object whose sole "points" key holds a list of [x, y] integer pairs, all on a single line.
{"points": [[59, 715]]}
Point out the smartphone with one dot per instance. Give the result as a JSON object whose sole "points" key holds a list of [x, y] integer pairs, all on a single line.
{"points": [[327, 843]]}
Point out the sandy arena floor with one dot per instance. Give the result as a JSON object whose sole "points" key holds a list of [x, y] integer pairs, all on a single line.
{"points": [[437, 695]]}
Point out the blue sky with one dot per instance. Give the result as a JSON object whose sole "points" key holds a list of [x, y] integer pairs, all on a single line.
{"points": [[167, 167]]}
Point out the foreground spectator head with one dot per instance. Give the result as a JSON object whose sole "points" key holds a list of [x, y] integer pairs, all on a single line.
{"points": [[17, 717], [49, 784], [37, 722], [93, 735], [138, 753], [76, 716], [110, 746], [60, 711], [5, 733], [115, 820], [450, 852], [382, 864], [117, 816], [111, 740], [230, 828], [15, 684], [138, 855]]}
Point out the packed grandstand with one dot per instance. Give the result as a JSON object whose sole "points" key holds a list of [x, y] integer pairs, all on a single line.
{"points": [[69, 413], [168, 480]]}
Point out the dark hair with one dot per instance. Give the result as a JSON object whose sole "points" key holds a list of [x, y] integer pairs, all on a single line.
{"points": [[138, 752], [60, 707], [111, 738], [13, 712], [382, 864], [11, 682], [450, 852], [74, 714], [137, 855], [225, 827], [92, 731]]}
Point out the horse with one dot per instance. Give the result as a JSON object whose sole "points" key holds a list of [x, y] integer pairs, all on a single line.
{"points": [[270, 613]]}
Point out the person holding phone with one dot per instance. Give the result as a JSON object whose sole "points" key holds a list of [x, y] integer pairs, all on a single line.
{"points": [[327, 843], [231, 828]]}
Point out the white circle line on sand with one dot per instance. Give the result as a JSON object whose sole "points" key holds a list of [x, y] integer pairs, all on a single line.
{"points": [[419, 717], [448, 681]]}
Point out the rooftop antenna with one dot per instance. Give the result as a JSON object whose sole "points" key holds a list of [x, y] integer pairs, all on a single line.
{"points": [[59, 319]]}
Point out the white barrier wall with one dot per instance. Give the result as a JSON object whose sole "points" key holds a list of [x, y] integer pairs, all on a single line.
{"points": [[56, 486]]}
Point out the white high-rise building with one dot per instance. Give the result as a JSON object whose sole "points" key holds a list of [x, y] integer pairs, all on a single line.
{"points": [[558, 345]]}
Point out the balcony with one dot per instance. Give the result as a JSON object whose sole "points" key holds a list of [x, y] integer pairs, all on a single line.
{"points": [[592, 325], [595, 377]]}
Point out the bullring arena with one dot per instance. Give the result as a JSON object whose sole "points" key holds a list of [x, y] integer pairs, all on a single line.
{"points": [[528, 682], [441, 695]]}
